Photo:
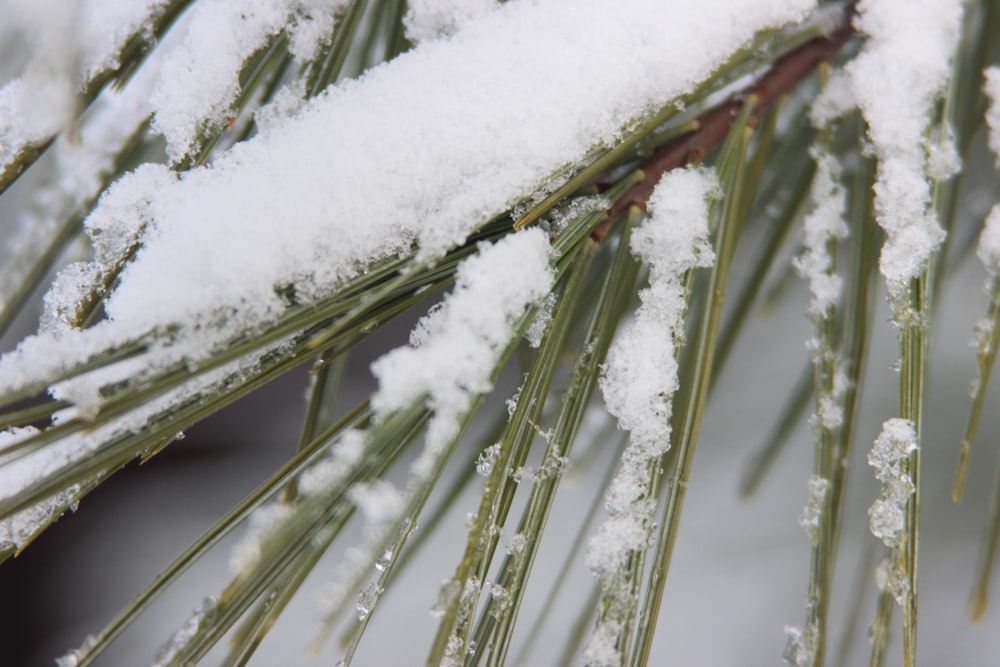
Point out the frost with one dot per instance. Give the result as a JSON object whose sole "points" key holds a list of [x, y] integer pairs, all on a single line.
{"points": [[484, 464], [901, 72], [891, 578], [992, 90], [169, 652], [800, 646], [888, 456], [515, 544], [73, 658], [367, 600], [812, 514], [541, 321]]}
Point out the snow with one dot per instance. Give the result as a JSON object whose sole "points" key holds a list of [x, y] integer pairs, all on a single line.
{"points": [[812, 513], [897, 79], [403, 150], [487, 459], [454, 348], [422, 153], [640, 377], [114, 228], [992, 89], [333, 470], [82, 164], [431, 19], [412, 157], [892, 447], [538, 325], [823, 226], [169, 652], [892, 578], [835, 100], [221, 36], [989, 242], [70, 43], [450, 359], [53, 458], [800, 645], [989, 239], [247, 552]]}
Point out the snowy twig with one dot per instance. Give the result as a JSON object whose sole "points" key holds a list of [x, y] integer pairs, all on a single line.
{"points": [[713, 125]]}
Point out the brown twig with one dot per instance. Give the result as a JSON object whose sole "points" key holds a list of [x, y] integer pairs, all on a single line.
{"points": [[713, 125]]}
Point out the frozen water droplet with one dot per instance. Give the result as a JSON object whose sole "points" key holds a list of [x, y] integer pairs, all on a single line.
{"points": [[383, 561], [169, 651], [72, 659], [367, 599], [484, 464], [515, 545], [68, 660]]}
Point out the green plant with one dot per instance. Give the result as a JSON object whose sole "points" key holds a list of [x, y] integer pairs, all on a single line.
{"points": [[761, 138]]}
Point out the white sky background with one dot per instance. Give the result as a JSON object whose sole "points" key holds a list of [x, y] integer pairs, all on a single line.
{"points": [[726, 558]]}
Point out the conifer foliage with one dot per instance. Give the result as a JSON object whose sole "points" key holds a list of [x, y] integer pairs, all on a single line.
{"points": [[598, 196]]}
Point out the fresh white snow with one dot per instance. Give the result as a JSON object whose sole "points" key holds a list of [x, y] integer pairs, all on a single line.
{"points": [[897, 79], [823, 226], [454, 349], [70, 43], [992, 89], [220, 36], [639, 380], [432, 19], [413, 156], [989, 242], [421, 150]]}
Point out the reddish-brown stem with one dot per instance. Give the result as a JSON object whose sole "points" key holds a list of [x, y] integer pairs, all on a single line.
{"points": [[714, 124]]}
